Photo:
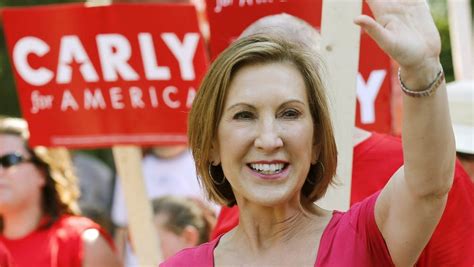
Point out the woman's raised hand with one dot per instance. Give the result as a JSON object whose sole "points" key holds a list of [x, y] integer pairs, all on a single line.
{"points": [[405, 30]]}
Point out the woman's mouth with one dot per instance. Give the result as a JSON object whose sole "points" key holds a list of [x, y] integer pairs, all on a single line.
{"points": [[268, 168]]}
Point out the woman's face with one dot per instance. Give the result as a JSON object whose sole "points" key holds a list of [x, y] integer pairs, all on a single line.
{"points": [[20, 184], [265, 137]]}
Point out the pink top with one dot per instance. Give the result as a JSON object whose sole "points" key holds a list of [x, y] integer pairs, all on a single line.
{"points": [[351, 238]]}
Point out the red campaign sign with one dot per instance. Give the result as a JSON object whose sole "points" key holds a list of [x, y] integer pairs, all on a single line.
{"points": [[101, 76], [228, 18]]}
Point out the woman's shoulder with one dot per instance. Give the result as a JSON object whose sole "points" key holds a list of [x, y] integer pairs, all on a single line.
{"points": [[352, 238], [75, 223], [357, 220], [199, 256], [74, 227]]}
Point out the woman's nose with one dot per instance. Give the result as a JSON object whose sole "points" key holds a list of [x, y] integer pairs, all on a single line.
{"points": [[268, 137]]}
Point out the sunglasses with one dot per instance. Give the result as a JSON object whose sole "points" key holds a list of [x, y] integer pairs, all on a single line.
{"points": [[12, 159]]}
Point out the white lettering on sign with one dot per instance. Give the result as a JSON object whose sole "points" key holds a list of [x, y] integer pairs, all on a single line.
{"points": [[252, 2], [183, 52], [138, 98], [153, 96], [93, 100], [152, 70], [40, 102], [167, 98], [71, 49], [68, 101], [21, 50], [191, 96], [220, 4], [114, 52], [116, 98], [367, 93]]}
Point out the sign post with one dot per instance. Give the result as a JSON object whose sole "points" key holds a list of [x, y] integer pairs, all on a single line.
{"points": [[144, 236], [340, 49]]}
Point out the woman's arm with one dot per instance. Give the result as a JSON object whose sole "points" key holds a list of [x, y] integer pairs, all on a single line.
{"points": [[410, 206]]}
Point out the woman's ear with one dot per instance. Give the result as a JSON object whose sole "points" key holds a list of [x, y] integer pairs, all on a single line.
{"points": [[190, 235]]}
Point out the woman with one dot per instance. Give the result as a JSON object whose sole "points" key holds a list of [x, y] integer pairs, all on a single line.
{"points": [[262, 139], [37, 205], [181, 223], [452, 242]]}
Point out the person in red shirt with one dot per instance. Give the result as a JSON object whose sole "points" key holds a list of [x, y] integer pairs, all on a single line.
{"points": [[38, 203], [452, 243]]}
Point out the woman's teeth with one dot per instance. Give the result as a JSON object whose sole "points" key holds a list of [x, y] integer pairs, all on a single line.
{"points": [[267, 168]]}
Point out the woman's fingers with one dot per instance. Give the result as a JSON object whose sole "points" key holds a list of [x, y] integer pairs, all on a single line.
{"points": [[376, 31]]}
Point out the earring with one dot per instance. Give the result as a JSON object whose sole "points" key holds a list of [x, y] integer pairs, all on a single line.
{"points": [[313, 182], [212, 178]]}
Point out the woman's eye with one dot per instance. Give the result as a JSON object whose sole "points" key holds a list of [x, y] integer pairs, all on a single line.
{"points": [[290, 114], [243, 115]]}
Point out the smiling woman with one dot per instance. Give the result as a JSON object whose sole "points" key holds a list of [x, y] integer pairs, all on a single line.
{"points": [[262, 139], [261, 75]]}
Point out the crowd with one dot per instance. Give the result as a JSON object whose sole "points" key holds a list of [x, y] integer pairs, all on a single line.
{"points": [[261, 152]]}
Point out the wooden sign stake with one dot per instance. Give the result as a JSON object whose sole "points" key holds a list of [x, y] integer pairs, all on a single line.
{"points": [[340, 49]]}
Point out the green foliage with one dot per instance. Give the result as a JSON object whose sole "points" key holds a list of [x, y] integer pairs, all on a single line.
{"points": [[439, 10], [446, 57], [8, 97]]}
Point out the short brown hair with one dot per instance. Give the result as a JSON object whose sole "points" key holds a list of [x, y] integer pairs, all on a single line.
{"points": [[208, 106], [60, 192]]}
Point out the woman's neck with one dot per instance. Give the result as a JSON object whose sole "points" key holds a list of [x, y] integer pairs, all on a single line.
{"points": [[263, 227], [22, 221]]}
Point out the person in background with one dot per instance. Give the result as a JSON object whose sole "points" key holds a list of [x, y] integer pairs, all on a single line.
{"points": [[38, 194], [96, 187], [453, 239], [261, 136], [181, 223]]}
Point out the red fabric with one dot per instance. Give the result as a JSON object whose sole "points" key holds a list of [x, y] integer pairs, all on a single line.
{"points": [[228, 218], [350, 239], [375, 160], [57, 246], [5, 257]]}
